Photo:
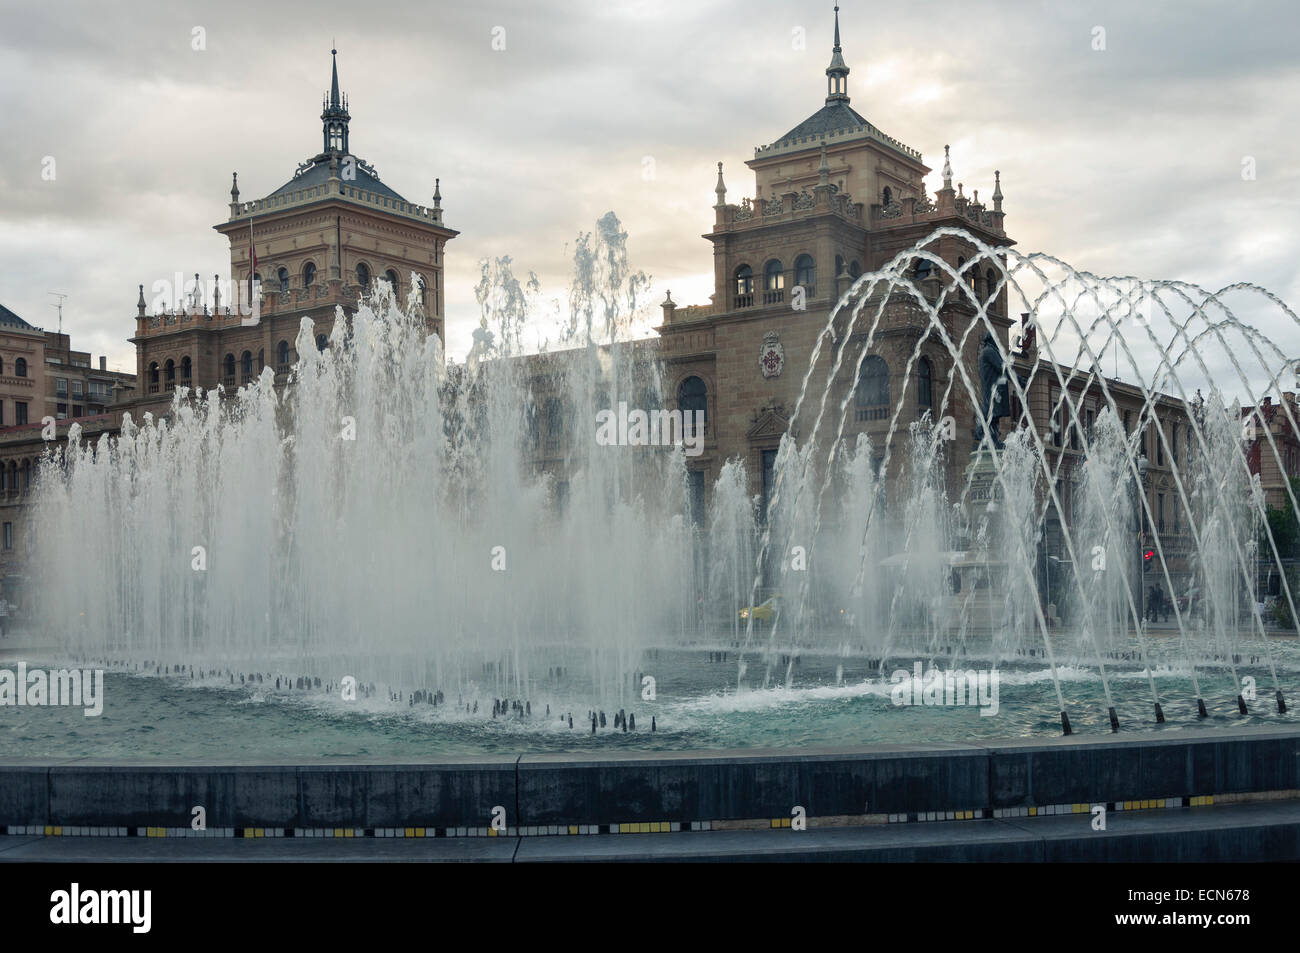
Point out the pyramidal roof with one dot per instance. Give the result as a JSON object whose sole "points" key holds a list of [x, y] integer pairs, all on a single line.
{"points": [[10, 320], [837, 117]]}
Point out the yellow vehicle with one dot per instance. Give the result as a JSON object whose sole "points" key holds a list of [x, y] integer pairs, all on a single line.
{"points": [[765, 611]]}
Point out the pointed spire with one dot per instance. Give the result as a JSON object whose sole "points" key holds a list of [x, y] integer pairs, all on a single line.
{"points": [[334, 81], [947, 169], [437, 193], [720, 189], [997, 191], [234, 186], [837, 74], [334, 117], [140, 304]]}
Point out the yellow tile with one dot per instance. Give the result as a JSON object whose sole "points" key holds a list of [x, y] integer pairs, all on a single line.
{"points": [[573, 828], [48, 830], [408, 832], [1033, 812], [785, 822], [1209, 799], [419, 832], [58, 832]]}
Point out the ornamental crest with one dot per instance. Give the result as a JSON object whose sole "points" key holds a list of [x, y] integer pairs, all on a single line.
{"points": [[771, 357]]}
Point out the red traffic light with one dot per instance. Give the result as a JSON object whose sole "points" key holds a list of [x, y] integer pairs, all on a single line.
{"points": [[1148, 555]]}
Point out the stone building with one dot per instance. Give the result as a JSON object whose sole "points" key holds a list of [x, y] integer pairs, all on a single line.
{"points": [[316, 242], [43, 380]]}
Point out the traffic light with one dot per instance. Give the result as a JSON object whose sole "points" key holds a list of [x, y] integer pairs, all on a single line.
{"points": [[1148, 557]]}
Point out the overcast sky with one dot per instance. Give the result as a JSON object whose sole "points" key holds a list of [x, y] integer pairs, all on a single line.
{"points": [[1125, 160]]}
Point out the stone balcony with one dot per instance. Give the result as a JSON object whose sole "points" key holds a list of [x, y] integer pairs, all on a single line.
{"points": [[336, 188], [319, 295]]}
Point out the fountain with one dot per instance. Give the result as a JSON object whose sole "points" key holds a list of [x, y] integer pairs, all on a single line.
{"points": [[449, 535]]}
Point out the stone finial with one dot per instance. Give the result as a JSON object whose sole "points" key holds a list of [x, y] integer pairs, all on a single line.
{"points": [[216, 293], [234, 186], [140, 305], [997, 191], [437, 193], [824, 169], [947, 169], [720, 189]]}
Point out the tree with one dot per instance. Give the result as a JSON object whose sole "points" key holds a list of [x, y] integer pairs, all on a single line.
{"points": [[1285, 526]]}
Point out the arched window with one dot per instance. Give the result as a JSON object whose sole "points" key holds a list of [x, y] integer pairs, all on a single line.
{"points": [[924, 386], [261, 359], [27, 475], [230, 370], [424, 287], [990, 283], [744, 286], [839, 265], [887, 196], [283, 276], [20, 367], [187, 369], [855, 270], [923, 269], [392, 278], [322, 342], [246, 367], [773, 282], [2, 366], [308, 275], [871, 396], [363, 274], [257, 277], [805, 272], [693, 395], [169, 374], [282, 357]]}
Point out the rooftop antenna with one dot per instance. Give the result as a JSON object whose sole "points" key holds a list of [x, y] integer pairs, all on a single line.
{"points": [[60, 295]]}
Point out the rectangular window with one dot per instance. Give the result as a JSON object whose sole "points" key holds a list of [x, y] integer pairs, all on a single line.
{"points": [[20, 411], [769, 480], [1054, 399], [77, 388], [9, 535], [77, 410], [1160, 512], [1160, 446], [1173, 444], [61, 410], [61, 386], [1128, 422], [1089, 430], [697, 496]]}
